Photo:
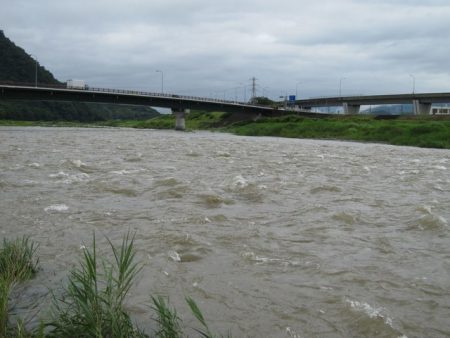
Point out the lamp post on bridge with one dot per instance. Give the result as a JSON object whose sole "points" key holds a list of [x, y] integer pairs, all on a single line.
{"points": [[340, 85], [245, 90], [296, 89], [35, 69], [162, 80], [414, 83]]}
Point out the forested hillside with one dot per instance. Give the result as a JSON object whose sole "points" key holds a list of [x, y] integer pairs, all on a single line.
{"points": [[16, 65], [19, 67]]}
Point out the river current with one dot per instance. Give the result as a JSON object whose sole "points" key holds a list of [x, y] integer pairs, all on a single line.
{"points": [[272, 237]]}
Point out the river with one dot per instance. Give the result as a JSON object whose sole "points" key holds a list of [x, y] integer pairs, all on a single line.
{"points": [[272, 237]]}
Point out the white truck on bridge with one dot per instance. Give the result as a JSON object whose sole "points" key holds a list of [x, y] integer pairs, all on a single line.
{"points": [[76, 84]]}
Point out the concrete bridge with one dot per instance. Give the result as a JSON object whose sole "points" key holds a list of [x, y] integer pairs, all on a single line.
{"points": [[179, 104], [421, 102]]}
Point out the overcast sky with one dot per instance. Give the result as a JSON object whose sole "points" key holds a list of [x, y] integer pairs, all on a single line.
{"points": [[213, 48]]}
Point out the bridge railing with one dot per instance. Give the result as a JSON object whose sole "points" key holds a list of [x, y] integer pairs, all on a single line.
{"points": [[126, 92]]}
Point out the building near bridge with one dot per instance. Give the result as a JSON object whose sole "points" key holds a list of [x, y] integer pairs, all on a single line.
{"points": [[440, 110]]}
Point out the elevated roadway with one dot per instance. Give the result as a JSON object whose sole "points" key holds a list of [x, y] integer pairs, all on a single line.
{"points": [[179, 104], [421, 101]]}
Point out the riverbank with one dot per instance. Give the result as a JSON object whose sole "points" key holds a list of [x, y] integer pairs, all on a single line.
{"points": [[419, 131]]}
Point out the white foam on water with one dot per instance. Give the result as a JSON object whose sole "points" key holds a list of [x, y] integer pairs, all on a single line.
{"points": [[440, 167], [371, 311], [81, 177], [78, 163], [429, 219], [291, 333], [239, 182], [175, 256], [251, 256], [442, 220], [57, 208], [425, 209], [61, 174], [126, 172], [34, 165]]}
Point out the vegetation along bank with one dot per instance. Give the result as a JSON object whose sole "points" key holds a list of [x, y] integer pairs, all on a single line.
{"points": [[419, 131]]}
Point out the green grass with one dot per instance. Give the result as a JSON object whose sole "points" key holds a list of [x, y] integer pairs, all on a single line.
{"points": [[92, 305], [92, 302], [16, 260], [194, 120], [169, 323], [420, 131], [167, 319], [17, 264], [409, 132]]}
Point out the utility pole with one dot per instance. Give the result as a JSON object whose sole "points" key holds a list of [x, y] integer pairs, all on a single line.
{"points": [[162, 80], [35, 69], [414, 83], [253, 79], [340, 85]]}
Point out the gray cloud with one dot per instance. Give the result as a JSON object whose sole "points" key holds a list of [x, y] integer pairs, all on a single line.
{"points": [[212, 48]]}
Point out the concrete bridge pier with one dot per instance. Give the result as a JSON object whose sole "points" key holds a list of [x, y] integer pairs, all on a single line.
{"points": [[180, 115], [421, 108], [351, 109]]}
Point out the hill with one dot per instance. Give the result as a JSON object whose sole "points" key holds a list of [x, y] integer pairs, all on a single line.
{"points": [[16, 66]]}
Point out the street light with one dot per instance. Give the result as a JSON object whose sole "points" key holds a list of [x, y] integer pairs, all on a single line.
{"points": [[340, 85], [162, 80], [414, 82], [35, 69], [245, 90], [296, 89]]}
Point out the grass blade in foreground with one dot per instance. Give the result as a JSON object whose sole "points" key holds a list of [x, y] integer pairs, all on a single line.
{"points": [[93, 302], [16, 264], [168, 320]]}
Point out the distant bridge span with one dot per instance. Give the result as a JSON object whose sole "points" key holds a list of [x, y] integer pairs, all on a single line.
{"points": [[178, 103], [421, 101]]}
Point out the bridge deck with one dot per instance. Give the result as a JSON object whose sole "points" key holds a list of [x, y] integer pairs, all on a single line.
{"points": [[376, 99], [102, 95]]}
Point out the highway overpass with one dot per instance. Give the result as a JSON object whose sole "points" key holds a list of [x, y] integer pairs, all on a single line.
{"points": [[421, 101]]}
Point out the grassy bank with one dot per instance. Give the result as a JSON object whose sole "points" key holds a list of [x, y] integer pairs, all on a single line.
{"points": [[429, 132], [419, 131]]}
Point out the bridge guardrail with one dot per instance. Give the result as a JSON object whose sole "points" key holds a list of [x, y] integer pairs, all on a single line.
{"points": [[126, 91]]}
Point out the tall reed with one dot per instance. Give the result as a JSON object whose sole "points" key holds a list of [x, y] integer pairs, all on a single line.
{"points": [[92, 304], [17, 263]]}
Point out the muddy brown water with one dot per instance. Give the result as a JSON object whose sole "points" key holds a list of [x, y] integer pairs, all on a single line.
{"points": [[272, 237]]}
